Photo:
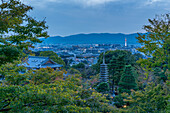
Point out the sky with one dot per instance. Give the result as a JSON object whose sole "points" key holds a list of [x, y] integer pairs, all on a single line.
{"points": [[68, 17]]}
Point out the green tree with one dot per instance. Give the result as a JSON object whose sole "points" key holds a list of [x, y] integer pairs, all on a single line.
{"points": [[116, 61], [153, 99], [52, 55], [41, 90], [78, 66], [159, 73], [44, 90], [18, 30], [156, 42], [86, 72], [103, 87], [116, 68], [138, 56], [119, 100], [127, 81], [128, 57], [73, 71]]}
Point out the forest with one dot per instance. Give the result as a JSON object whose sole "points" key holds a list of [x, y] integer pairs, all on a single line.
{"points": [[140, 85]]}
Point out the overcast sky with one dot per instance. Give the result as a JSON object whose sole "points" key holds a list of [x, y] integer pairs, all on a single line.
{"points": [[66, 17]]}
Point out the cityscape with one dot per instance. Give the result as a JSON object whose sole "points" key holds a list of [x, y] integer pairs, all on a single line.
{"points": [[84, 56], [85, 53]]}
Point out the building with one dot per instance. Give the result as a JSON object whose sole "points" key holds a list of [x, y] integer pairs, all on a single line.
{"points": [[37, 62], [125, 42], [103, 71]]}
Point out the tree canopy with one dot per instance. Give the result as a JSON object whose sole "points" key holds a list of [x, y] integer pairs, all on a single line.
{"points": [[45, 90], [127, 80], [128, 57], [156, 42], [48, 90], [152, 99], [18, 30]]}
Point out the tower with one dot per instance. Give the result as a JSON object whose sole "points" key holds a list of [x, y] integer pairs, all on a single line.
{"points": [[103, 71], [125, 42]]}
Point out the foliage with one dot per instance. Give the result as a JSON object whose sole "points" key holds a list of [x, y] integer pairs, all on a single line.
{"points": [[116, 61], [116, 68], [127, 81], [52, 55], [18, 31], [119, 100], [128, 57], [73, 71], [80, 65], [86, 72], [103, 87], [150, 100], [94, 81], [138, 56], [160, 74], [156, 43], [45, 90]]}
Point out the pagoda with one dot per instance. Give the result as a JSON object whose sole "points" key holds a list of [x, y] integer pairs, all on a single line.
{"points": [[103, 71]]}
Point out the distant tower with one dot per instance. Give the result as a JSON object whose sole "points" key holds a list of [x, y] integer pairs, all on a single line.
{"points": [[125, 42], [103, 71]]}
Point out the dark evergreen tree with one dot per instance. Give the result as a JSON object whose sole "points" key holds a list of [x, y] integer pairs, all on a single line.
{"points": [[127, 80], [119, 69], [116, 68], [111, 67], [129, 59], [103, 87]]}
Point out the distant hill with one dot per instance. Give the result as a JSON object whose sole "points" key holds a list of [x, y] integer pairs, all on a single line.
{"points": [[93, 38]]}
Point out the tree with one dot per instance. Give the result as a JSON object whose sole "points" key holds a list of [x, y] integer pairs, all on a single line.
{"points": [[116, 68], [116, 61], [44, 90], [52, 55], [127, 81], [78, 66], [153, 99], [18, 30], [73, 71], [128, 57], [159, 74], [138, 56], [41, 90], [119, 100], [156, 42], [103, 87]]}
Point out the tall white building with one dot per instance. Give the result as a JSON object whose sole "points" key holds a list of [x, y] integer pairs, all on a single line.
{"points": [[125, 42]]}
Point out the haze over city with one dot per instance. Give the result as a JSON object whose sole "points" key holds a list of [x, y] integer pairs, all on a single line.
{"points": [[67, 17]]}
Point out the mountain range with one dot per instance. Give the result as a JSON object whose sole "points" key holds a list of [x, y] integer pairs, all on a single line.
{"points": [[93, 38]]}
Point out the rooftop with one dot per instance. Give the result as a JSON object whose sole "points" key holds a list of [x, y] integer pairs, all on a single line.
{"points": [[40, 62]]}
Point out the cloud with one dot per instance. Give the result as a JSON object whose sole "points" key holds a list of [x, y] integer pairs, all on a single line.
{"points": [[151, 2], [43, 3], [92, 3]]}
